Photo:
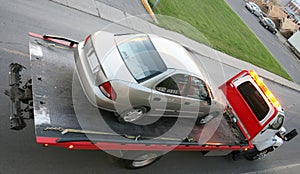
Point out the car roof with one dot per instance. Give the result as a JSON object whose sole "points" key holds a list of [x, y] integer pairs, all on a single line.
{"points": [[173, 54], [254, 5]]}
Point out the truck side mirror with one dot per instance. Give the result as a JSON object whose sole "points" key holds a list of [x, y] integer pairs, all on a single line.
{"points": [[208, 99]]}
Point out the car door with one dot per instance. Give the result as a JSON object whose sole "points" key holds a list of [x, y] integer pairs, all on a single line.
{"points": [[166, 97], [196, 98]]}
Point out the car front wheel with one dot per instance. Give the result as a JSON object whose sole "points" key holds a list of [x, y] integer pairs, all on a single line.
{"points": [[206, 119]]}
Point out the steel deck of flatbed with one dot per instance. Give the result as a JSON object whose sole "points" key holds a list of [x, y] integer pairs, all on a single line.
{"points": [[60, 104]]}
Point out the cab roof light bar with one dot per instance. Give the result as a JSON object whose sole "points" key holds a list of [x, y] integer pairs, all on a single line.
{"points": [[264, 88]]}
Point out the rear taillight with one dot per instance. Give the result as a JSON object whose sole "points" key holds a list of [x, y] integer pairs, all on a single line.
{"points": [[107, 90], [86, 39], [264, 88]]}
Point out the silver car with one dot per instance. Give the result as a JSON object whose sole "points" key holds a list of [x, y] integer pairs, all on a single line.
{"points": [[254, 9], [268, 24], [135, 75]]}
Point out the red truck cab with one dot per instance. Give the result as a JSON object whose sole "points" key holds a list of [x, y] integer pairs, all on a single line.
{"points": [[256, 111]]}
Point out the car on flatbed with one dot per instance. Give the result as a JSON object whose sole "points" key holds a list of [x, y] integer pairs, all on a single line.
{"points": [[134, 74]]}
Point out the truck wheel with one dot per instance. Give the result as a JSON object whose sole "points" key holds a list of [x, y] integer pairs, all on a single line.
{"points": [[136, 159], [132, 115], [254, 154]]}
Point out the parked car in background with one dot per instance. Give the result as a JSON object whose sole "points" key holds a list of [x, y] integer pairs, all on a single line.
{"points": [[132, 74], [254, 9], [268, 24]]}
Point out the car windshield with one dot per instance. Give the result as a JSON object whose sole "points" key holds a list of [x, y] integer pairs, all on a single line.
{"points": [[141, 58], [271, 23], [254, 6]]}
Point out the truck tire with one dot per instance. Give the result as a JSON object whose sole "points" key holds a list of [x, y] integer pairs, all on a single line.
{"points": [[254, 154], [139, 159]]}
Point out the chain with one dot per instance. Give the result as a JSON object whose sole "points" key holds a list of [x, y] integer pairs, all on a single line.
{"points": [[135, 138], [60, 129]]}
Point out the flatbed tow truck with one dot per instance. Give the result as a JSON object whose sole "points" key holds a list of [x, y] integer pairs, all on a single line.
{"points": [[55, 100]]}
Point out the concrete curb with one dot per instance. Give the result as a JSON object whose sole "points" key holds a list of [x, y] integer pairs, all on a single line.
{"points": [[122, 18]]}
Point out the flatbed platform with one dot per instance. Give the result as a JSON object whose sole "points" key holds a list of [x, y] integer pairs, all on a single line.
{"points": [[63, 115]]}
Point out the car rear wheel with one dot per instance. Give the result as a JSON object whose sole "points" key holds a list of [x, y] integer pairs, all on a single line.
{"points": [[133, 114]]}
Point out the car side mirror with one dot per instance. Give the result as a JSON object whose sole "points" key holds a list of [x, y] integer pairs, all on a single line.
{"points": [[208, 100]]}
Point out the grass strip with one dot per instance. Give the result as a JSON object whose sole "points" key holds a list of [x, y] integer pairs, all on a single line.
{"points": [[220, 27]]}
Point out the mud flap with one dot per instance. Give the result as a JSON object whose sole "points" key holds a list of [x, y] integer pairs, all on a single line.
{"points": [[292, 134]]}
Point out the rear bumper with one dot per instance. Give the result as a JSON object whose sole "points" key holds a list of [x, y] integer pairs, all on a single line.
{"points": [[87, 81]]}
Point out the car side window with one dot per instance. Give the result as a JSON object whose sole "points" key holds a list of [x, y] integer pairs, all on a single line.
{"points": [[197, 89], [175, 84]]}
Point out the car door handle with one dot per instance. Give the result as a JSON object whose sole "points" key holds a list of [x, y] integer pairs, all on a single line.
{"points": [[187, 103], [156, 99]]}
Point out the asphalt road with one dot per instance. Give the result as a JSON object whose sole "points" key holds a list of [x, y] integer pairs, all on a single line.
{"points": [[283, 55], [20, 154]]}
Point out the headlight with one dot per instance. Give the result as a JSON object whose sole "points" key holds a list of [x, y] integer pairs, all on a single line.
{"points": [[277, 124]]}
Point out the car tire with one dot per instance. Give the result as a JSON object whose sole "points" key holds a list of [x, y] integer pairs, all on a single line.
{"points": [[139, 159], [207, 118], [132, 115]]}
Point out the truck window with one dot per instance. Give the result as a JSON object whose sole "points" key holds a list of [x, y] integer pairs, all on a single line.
{"points": [[255, 101], [197, 89]]}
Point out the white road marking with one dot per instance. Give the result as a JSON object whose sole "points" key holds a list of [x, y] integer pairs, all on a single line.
{"points": [[14, 52], [275, 169]]}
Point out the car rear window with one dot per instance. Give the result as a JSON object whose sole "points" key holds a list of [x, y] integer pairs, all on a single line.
{"points": [[254, 99], [141, 58]]}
